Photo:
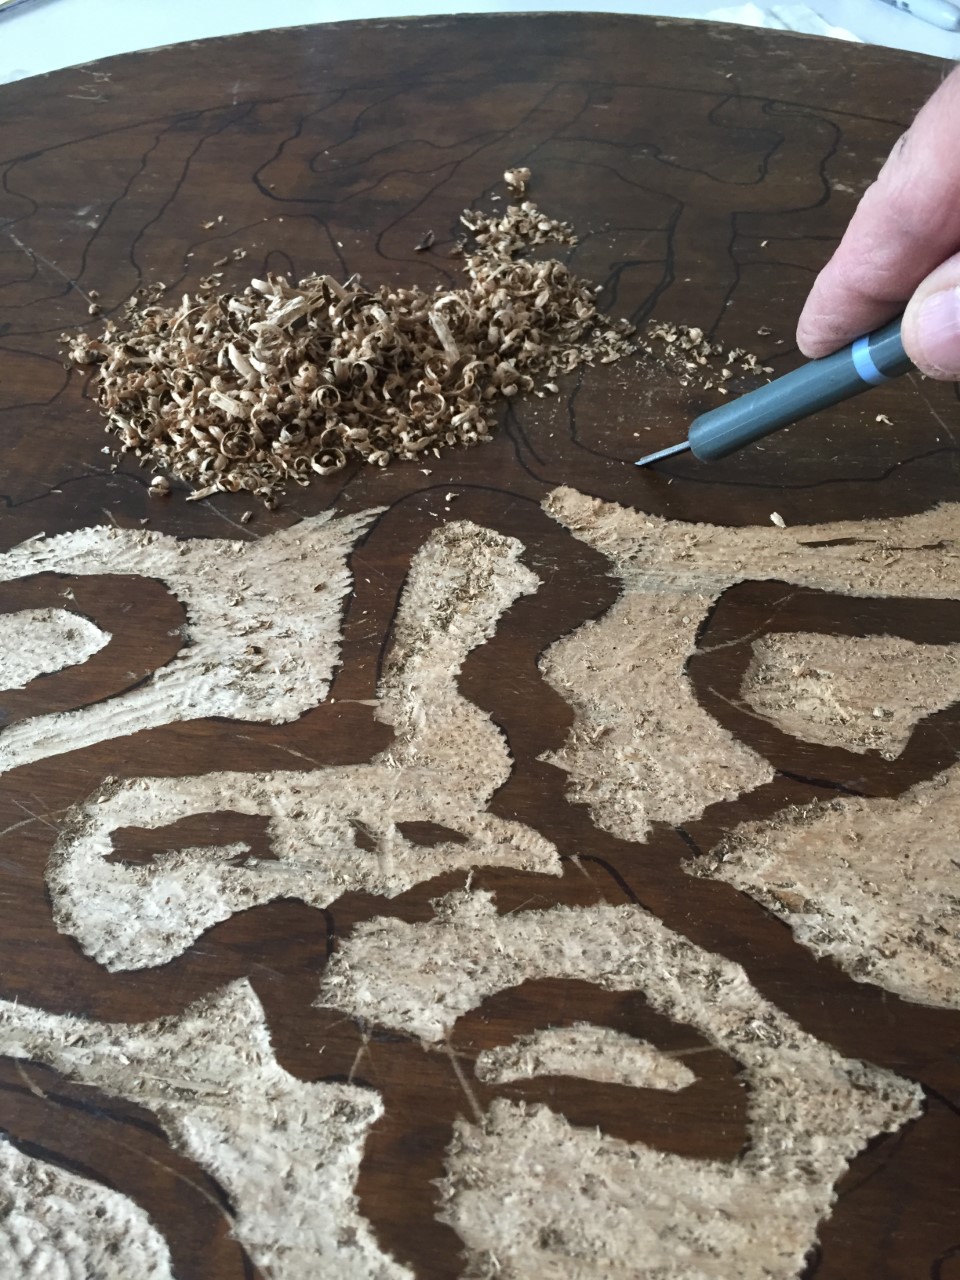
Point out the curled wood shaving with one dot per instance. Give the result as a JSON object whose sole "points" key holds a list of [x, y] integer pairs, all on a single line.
{"points": [[696, 360], [281, 382], [517, 179]]}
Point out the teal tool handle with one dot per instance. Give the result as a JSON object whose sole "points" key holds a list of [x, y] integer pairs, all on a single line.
{"points": [[869, 361]]}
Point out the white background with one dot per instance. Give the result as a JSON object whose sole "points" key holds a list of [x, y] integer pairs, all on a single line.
{"points": [[47, 34]]}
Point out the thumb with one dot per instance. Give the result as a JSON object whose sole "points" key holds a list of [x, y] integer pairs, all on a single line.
{"points": [[931, 323]]}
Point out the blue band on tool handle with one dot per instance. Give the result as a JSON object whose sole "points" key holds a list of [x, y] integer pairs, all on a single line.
{"points": [[863, 362], [817, 385]]}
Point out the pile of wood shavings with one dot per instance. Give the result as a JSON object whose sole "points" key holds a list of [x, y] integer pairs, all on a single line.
{"points": [[685, 351], [280, 382]]}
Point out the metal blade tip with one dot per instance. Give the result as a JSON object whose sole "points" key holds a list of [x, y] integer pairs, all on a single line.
{"points": [[664, 453]]}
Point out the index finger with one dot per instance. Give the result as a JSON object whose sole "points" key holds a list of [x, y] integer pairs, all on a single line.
{"points": [[907, 223]]}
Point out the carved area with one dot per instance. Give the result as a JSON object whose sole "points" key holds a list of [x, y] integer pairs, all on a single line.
{"points": [[643, 749], [871, 883], [36, 642], [262, 628], [55, 1223], [285, 1152], [709, 176], [808, 1111], [333, 831], [859, 693]]}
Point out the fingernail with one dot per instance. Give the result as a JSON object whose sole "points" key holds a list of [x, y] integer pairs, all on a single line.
{"points": [[938, 332]]}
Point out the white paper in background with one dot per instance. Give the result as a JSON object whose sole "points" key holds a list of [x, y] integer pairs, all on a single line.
{"points": [[781, 17], [47, 34]]}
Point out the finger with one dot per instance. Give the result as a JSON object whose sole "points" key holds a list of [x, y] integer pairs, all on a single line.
{"points": [[931, 323], [907, 223]]}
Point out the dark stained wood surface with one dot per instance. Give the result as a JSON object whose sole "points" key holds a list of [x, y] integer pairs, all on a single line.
{"points": [[709, 172]]}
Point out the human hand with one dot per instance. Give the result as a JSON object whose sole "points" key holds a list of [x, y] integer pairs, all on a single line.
{"points": [[901, 247]]}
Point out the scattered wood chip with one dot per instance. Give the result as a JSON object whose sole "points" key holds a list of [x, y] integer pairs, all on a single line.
{"points": [[159, 487], [882, 417], [517, 179], [207, 491], [281, 382], [777, 519], [425, 243], [696, 360]]}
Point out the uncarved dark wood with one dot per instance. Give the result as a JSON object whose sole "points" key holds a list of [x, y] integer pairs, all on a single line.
{"points": [[709, 171]]}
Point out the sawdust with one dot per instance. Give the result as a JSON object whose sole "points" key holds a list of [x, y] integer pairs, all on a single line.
{"points": [[532, 1195], [863, 693], [55, 1225], [871, 883], [641, 749], [262, 635], [331, 830], [587, 1052], [285, 1152], [36, 642]]}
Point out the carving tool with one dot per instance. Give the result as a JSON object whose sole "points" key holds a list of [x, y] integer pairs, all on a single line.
{"points": [[873, 359]]}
